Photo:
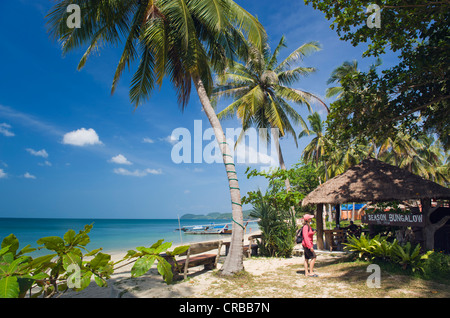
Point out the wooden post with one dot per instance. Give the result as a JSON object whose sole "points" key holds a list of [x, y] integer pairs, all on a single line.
{"points": [[353, 212], [338, 215], [319, 223]]}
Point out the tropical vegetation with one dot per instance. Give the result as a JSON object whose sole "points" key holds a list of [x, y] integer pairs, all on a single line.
{"points": [[408, 256], [261, 90], [411, 96], [70, 265], [399, 115], [278, 228], [273, 208], [184, 40]]}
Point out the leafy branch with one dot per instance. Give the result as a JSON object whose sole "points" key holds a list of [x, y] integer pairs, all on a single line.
{"points": [[66, 267]]}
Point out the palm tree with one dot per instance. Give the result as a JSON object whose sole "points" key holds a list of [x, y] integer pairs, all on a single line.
{"points": [[347, 68], [184, 40], [261, 89], [317, 151]]}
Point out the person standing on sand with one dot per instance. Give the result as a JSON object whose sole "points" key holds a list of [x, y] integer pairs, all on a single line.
{"points": [[310, 255]]}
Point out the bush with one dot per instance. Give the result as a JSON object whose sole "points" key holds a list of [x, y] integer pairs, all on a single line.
{"points": [[278, 229], [378, 247], [437, 266], [67, 267]]}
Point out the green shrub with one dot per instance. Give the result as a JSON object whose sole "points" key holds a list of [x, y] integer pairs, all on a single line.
{"points": [[437, 266], [379, 248], [278, 229], [363, 246], [67, 267], [409, 257]]}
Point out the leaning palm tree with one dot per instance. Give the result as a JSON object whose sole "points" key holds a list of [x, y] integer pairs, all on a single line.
{"points": [[184, 40], [261, 90]]}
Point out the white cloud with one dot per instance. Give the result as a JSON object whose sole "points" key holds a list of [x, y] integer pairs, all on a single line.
{"points": [[40, 153], [148, 140], [27, 175], [45, 163], [2, 174], [136, 173], [120, 159], [247, 154], [5, 130], [170, 139], [82, 137]]}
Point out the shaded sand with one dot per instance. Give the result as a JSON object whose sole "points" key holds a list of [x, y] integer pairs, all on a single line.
{"points": [[200, 283], [267, 278]]}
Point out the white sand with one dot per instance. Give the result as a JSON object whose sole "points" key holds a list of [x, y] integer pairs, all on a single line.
{"points": [[122, 285]]}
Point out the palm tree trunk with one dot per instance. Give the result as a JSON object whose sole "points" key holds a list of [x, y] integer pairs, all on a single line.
{"points": [[234, 262]]}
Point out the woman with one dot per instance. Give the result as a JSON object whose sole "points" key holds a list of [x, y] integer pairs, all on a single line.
{"points": [[310, 256]]}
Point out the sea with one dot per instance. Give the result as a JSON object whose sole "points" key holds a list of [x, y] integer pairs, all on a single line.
{"points": [[113, 235]]}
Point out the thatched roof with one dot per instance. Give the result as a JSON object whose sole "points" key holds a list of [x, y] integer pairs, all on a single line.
{"points": [[375, 181]]}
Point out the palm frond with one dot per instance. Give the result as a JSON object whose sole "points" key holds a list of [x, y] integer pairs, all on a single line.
{"points": [[303, 51], [273, 60]]}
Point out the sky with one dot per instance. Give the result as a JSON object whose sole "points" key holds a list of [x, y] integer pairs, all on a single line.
{"points": [[70, 149]]}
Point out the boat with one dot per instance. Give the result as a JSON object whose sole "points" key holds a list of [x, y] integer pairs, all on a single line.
{"points": [[212, 228], [207, 229]]}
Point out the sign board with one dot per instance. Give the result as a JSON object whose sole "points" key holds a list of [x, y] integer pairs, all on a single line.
{"points": [[394, 219]]}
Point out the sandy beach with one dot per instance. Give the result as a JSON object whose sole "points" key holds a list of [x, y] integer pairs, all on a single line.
{"points": [[264, 277], [200, 283], [151, 285]]}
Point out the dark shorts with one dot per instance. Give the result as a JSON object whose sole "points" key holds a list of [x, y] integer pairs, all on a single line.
{"points": [[309, 254]]}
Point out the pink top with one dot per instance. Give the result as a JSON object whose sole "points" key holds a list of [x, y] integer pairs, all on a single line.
{"points": [[308, 234]]}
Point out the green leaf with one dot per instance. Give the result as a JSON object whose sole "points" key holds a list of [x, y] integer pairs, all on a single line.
{"points": [[85, 280], [165, 269], [26, 249], [42, 261], [100, 281], [25, 284], [9, 287], [11, 241], [157, 244], [69, 237], [4, 250], [100, 260], [15, 264], [146, 250], [142, 265], [93, 252], [53, 243], [179, 250], [163, 247], [71, 258]]}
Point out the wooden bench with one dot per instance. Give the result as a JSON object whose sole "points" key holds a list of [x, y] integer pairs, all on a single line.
{"points": [[195, 256], [334, 239]]}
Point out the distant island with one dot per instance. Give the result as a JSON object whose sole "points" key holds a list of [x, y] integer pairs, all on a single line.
{"points": [[215, 216]]}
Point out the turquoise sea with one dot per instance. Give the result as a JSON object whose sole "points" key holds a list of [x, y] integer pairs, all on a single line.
{"points": [[112, 235]]}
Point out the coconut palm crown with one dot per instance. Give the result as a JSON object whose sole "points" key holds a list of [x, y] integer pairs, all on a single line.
{"points": [[261, 88]]}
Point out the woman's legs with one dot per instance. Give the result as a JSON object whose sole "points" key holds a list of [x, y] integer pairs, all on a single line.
{"points": [[306, 267]]}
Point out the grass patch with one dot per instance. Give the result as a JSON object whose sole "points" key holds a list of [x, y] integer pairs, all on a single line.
{"points": [[337, 278]]}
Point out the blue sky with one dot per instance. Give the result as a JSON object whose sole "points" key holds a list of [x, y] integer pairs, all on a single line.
{"points": [[69, 149]]}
